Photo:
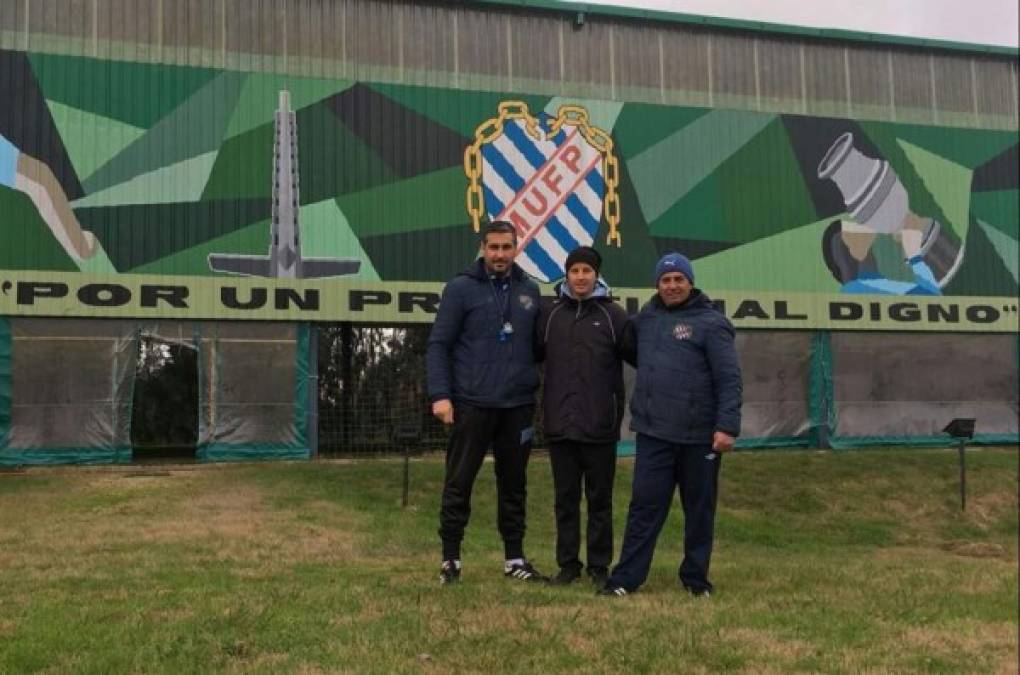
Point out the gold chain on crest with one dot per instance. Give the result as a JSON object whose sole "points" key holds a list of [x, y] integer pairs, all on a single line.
{"points": [[491, 129]]}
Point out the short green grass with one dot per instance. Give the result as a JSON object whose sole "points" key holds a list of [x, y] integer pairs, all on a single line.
{"points": [[835, 562]]}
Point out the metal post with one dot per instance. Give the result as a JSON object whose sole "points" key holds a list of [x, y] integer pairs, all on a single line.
{"points": [[313, 389], [347, 383], [407, 473], [963, 475]]}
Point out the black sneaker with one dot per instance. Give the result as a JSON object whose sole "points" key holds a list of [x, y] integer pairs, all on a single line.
{"points": [[524, 571], [565, 577], [612, 591], [449, 572], [598, 576]]}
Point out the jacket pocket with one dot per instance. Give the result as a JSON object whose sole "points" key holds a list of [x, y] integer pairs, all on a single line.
{"points": [[523, 379]]}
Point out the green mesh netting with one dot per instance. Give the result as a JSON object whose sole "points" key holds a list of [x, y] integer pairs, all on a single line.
{"points": [[253, 395]]}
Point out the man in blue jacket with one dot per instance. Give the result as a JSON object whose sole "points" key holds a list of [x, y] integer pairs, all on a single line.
{"points": [[482, 379], [686, 411]]}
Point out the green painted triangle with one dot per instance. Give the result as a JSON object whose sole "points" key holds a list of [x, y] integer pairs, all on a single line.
{"points": [[334, 161], [999, 209], [459, 110], [788, 261], [641, 125], [948, 183], [249, 240], [968, 147], [762, 190], [697, 215], [983, 271], [325, 233], [139, 94], [181, 182], [244, 166], [423, 202], [258, 100], [91, 140], [602, 114], [27, 241], [1007, 248], [756, 193], [194, 128], [666, 171]]}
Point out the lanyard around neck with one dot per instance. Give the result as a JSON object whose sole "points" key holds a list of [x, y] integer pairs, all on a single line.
{"points": [[501, 298]]}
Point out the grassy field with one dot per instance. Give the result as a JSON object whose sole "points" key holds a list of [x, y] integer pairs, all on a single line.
{"points": [[842, 562]]}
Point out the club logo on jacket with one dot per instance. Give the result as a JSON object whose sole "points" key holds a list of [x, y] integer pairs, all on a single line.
{"points": [[682, 331], [526, 302]]}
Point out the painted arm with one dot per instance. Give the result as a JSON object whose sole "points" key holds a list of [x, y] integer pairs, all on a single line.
{"points": [[28, 175]]}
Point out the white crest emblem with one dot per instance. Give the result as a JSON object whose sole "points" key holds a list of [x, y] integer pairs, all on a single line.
{"points": [[682, 331]]}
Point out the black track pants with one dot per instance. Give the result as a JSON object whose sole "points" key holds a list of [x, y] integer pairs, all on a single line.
{"points": [[508, 432], [592, 466]]}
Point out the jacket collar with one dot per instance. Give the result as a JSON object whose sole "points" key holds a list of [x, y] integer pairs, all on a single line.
{"points": [[697, 300], [601, 291]]}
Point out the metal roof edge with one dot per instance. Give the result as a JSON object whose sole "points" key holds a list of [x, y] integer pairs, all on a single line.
{"points": [[758, 26]]}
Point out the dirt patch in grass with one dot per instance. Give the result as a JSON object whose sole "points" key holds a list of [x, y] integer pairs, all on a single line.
{"points": [[239, 521], [976, 549], [768, 643], [993, 645], [211, 519]]}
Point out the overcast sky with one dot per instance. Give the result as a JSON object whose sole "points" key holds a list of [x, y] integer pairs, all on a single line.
{"points": [[989, 22]]}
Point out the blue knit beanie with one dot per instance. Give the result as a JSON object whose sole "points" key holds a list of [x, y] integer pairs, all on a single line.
{"points": [[674, 262]]}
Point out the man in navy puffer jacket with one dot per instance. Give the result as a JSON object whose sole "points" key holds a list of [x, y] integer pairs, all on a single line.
{"points": [[482, 380], [686, 411]]}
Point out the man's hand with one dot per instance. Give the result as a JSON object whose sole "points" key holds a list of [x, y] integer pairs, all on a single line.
{"points": [[443, 411], [721, 441]]}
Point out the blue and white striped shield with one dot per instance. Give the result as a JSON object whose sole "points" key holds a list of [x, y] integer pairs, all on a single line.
{"points": [[550, 189]]}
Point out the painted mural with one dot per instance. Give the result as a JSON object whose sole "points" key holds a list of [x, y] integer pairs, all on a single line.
{"points": [[142, 172]]}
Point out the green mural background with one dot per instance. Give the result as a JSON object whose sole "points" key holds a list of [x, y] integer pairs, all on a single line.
{"points": [[165, 165]]}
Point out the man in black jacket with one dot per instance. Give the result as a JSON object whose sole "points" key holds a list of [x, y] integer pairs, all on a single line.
{"points": [[686, 410], [579, 335], [482, 380]]}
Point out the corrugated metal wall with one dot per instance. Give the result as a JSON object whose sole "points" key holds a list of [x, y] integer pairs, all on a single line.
{"points": [[495, 48]]}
